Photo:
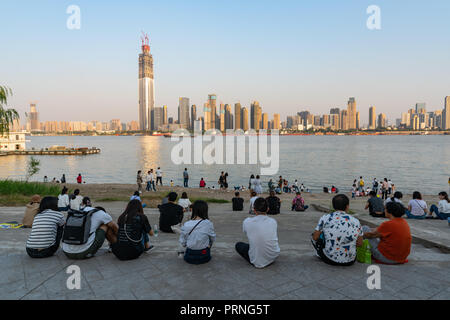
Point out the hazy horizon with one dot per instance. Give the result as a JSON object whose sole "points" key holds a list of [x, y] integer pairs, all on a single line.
{"points": [[287, 55]]}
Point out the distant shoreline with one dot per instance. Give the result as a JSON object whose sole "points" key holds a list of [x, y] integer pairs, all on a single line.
{"points": [[168, 134]]}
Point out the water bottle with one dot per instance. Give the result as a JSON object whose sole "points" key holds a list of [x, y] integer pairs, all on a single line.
{"points": [[367, 254], [155, 230]]}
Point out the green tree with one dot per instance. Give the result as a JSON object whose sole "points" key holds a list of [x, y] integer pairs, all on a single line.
{"points": [[32, 168], [7, 116]]}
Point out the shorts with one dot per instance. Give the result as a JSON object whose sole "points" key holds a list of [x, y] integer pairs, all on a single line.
{"points": [[100, 236]]}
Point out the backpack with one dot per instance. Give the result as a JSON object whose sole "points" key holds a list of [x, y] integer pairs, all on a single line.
{"points": [[361, 183], [299, 205], [78, 226]]}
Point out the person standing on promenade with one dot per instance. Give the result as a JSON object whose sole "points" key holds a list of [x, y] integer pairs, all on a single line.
{"points": [[45, 179], [185, 178], [221, 180], [152, 180], [225, 182], [442, 210], [257, 185], [251, 182], [261, 230], [389, 187], [384, 189], [390, 243], [338, 234], [63, 178], [147, 181], [159, 176], [375, 185], [79, 178], [361, 184], [139, 181]]}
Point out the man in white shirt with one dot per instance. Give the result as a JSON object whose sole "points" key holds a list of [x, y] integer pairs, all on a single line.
{"points": [[102, 227], [158, 176], [261, 230]]}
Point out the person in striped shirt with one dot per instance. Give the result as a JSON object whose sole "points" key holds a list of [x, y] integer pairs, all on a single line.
{"points": [[47, 229]]}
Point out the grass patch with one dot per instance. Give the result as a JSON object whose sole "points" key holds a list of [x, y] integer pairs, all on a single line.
{"points": [[12, 188], [13, 200]]}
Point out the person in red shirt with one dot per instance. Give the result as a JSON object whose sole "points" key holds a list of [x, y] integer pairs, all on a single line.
{"points": [[79, 179], [202, 183], [390, 243]]}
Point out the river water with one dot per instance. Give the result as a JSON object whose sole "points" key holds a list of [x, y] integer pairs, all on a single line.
{"points": [[411, 162]]}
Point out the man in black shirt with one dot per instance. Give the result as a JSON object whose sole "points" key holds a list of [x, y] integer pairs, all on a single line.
{"points": [[274, 203], [238, 202], [375, 205], [171, 214]]}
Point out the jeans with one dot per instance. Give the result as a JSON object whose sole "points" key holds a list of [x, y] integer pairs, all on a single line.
{"points": [[148, 186], [197, 256], [243, 248], [63, 208], [159, 179], [47, 252], [385, 194], [440, 215], [185, 182], [410, 216], [374, 249]]}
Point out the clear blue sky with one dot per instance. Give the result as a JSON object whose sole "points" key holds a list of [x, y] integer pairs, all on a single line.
{"points": [[289, 55]]}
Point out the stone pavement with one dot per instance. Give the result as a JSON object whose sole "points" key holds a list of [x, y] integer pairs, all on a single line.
{"points": [[160, 274]]}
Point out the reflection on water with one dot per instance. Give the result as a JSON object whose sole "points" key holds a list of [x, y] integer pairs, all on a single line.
{"points": [[412, 162]]}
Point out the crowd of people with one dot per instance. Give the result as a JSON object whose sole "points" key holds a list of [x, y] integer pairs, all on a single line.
{"points": [[335, 238]]}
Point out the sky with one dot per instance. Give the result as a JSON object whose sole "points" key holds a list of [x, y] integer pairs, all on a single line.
{"points": [[288, 55]]}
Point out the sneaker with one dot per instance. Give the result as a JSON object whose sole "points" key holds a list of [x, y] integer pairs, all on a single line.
{"points": [[149, 248], [180, 254]]}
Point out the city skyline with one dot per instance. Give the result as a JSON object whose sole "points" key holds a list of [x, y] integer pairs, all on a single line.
{"points": [[91, 72]]}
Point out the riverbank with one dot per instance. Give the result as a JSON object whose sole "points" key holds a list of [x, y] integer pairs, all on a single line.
{"points": [[111, 192]]}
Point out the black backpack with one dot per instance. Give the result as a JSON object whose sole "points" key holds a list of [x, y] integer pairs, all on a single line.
{"points": [[78, 226]]}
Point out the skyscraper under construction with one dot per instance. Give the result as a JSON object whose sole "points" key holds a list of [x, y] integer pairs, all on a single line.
{"points": [[146, 88]]}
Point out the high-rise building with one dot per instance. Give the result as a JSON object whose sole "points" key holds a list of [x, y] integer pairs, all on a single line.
{"points": [[255, 115], [228, 117], [158, 118], [165, 121], [421, 107], [146, 87], [212, 102], [344, 120], [34, 118], [265, 121], [381, 120], [193, 115], [237, 116], [372, 118], [351, 112], [357, 120], [116, 125], [276, 121], [221, 119], [335, 111], [334, 121], [183, 113], [326, 121], [244, 119], [206, 117], [446, 114]]}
